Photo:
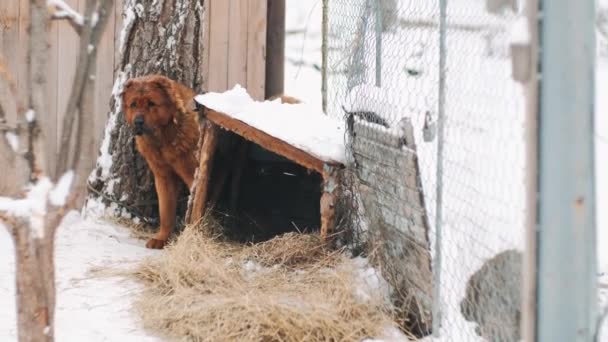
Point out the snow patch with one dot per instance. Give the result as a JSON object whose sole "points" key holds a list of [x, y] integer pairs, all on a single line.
{"points": [[387, 104], [94, 208], [128, 21], [61, 191], [300, 125], [139, 9], [370, 281], [30, 115], [104, 161], [37, 201], [170, 42], [13, 140], [94, 19], [520, 32]]}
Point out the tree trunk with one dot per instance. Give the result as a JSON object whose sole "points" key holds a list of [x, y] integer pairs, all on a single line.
{"points": [[35, 279], [158, 37]]}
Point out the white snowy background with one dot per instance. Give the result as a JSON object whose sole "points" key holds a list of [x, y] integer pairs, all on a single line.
{"points": [[94, 308]]}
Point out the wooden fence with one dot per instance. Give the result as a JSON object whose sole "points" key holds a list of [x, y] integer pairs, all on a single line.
{"points": [[235, 38], [236, 49], [63, 52]]}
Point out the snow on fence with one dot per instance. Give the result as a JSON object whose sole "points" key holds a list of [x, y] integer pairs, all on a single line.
{"points": [[445, 209]]}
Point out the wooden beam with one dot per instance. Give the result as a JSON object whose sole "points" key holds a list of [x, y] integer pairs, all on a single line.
{"points": [[201, 191], [328, 202], [266, 141]]}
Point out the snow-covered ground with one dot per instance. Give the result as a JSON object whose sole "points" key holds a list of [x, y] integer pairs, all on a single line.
{"points": [[90, 307]]}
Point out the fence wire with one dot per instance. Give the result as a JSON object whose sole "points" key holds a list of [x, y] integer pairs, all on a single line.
{"points": [[456, 276]]}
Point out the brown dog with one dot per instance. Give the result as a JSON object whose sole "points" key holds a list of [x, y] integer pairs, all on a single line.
{"points": [[167, 133]]}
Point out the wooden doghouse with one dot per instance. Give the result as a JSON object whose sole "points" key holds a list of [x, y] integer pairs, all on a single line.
{"points": [[214, 171]]}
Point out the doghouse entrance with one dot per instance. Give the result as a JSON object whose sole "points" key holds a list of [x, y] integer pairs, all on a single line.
{"points": [[264, 194]]}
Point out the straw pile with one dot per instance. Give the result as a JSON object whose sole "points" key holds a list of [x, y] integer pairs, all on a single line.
{"points": [[290, 288]]}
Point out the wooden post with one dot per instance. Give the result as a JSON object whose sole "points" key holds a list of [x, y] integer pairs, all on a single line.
{"points": [[328, 201], [275, 44], [199, 202]]}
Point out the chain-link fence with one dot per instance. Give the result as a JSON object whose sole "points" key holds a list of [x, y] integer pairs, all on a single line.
{"points": [[443, 207]]}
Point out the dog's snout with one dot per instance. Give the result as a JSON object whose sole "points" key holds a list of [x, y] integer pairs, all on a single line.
{"points": [[138, 124], [139, 120]]}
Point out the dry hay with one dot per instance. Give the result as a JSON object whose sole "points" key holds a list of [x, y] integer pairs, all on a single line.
{"points": [[294, 250], [203, 289]]}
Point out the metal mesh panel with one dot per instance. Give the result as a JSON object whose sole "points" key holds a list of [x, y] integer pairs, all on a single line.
{"points": [[384, 76]]}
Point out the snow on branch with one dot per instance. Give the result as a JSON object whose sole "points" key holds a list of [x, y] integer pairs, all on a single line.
{"points": [[34, 206], [59, 195], [61, 10]]}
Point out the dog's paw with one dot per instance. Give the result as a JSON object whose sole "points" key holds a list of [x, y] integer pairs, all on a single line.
{"points": [[156, 244]]}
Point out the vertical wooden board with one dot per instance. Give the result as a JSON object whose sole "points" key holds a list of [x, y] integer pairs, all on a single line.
{"points": [[218, 44], [104, 77], [118, 20], [256, 48], [237, 43], [67, 46], [50, 119], [9, 40], [206, 43], [21, 72]]}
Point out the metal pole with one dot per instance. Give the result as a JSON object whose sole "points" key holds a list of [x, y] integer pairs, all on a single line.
{"points": [[378, 43], [531, 84], [439, 176], [567, 299], [324, 56]]}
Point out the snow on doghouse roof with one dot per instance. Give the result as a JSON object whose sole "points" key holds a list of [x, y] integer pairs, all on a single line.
{"points": [[300, 125]]}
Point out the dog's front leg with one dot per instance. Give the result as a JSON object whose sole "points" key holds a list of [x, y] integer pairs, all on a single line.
{"points": [[166, 189]]}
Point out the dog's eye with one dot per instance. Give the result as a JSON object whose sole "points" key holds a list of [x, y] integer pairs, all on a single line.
{"points": [[133, 104], [151, 104]]}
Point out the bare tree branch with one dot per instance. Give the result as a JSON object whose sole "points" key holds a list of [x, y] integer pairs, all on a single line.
{"points": [[73, 24], [62, 11], [95, 22]]}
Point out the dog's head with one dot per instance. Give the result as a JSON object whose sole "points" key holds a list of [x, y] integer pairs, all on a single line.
{"points": [[149, 103]]}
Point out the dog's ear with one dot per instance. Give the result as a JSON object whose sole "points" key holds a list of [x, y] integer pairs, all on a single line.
{"points": [[164, 83], [128, 84], [170, 88]]}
